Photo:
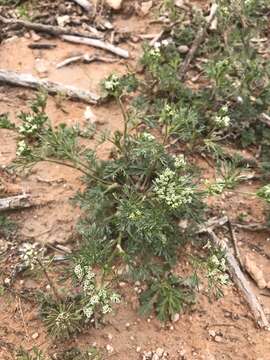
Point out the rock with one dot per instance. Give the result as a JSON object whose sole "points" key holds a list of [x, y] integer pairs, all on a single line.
{"points": [[255, 272], [89, 115], [114, 4], [218, 339], [41, 68], [109, 348], [175, 317], [147, 355], [63, 20], [179, 3], [110, 337], [144, 8], [35, 336], [212, 333], [155, 357], [62, 8], [138, 349], [35, 36], [160, 352], [183, 49], [7, 281]]}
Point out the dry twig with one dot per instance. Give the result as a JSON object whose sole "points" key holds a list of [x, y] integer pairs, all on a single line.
{"points": [[29, 81], [236, 272], [15, 202], [85, 58], [49, 29], [98, 44], [197, 42]]}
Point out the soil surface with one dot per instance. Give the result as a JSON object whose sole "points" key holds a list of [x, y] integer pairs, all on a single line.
{"points": [[222, 329]]}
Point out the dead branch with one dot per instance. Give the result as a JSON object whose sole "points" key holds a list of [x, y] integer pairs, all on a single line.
{"points": [[238, 277], [265, 119], [235, 245], [15, 202], [85, 4], [42, 46], [29, 81], [252, 227], [49, 29], [85, 58], [197, 41], [98, 44]]}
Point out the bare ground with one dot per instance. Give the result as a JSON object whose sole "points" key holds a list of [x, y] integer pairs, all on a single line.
{"points": [[52, 221]]}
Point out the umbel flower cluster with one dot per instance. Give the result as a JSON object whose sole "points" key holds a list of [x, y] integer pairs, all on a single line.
{"points": [[96, 298], [174, 190], [29, 253]]}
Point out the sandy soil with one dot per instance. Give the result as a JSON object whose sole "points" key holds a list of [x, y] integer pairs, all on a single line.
{"points": [[52, 221]]}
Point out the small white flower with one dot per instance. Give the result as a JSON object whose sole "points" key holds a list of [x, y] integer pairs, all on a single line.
{"points": [[106, 309], [115, 298], [88, 311], [147, 136], [78, 271], [179, 161]]}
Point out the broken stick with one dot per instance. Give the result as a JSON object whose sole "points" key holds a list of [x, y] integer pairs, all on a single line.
{"points": [[49, 29], [240, 280], [85, 4], [86, 58], [197, 42], [15, 202], [29, 81], [98, 44]]}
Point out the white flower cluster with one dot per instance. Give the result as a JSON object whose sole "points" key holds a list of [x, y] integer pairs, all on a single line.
{"points": [[97, 298], [135, 215], [147, 136], [61, 319], [29, 254], [155, 53], [163, 43], [22, 148], [222, 120], [30, 126], [180, 161], [112, 83], [216, 188], [173, 190], [218, 270]]}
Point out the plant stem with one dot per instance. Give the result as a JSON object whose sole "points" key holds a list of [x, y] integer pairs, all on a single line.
{"points": [[55, 292]]}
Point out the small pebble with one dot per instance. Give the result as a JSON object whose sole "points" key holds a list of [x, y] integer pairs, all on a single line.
{"points": [[35, 335], [160, 352], [175, 317], [109, 348], [218, 339]]}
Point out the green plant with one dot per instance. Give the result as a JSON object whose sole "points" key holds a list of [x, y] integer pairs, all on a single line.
{"points": [[167, 296], [92, 353], [5, 122], [216, 271], [62, 318], [33, 354], [7, 227], [96, 299]]}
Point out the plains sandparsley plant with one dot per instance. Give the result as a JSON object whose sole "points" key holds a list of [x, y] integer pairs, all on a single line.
{"points": [[174, 190], [97, 299]]}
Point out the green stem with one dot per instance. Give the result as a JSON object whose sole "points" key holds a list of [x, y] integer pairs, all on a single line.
{"points": [[92, 176]]}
